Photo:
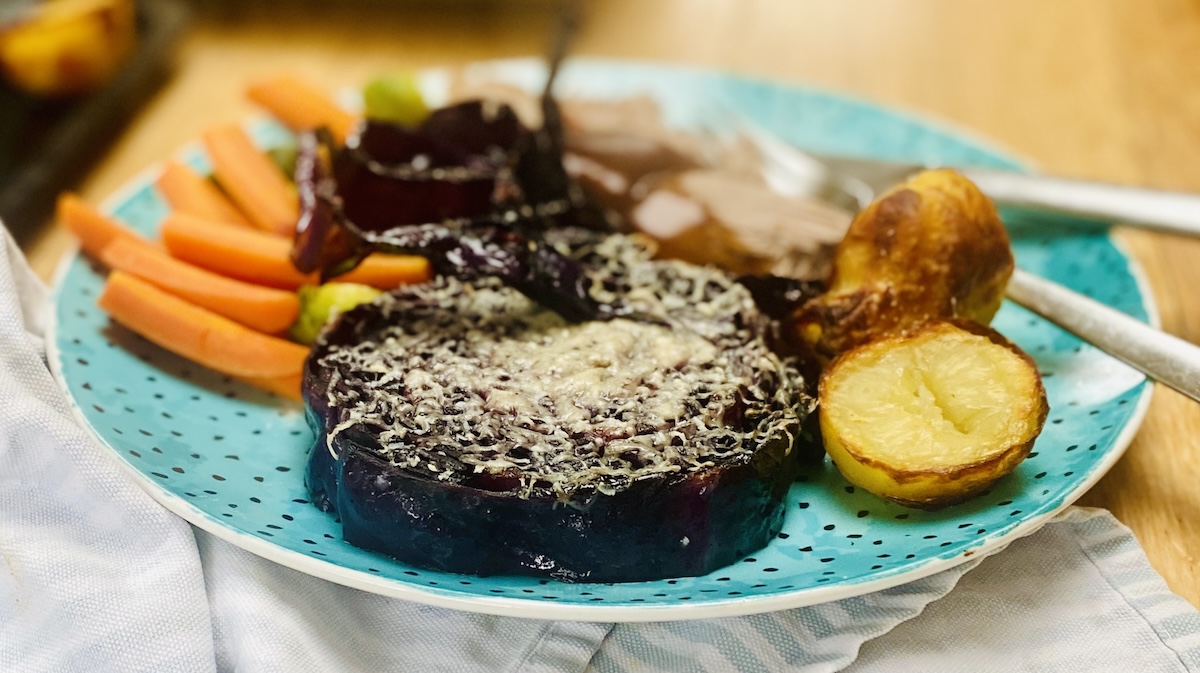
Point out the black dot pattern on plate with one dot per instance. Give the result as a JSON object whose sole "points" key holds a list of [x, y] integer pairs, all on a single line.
{"points": [[233, 451]]}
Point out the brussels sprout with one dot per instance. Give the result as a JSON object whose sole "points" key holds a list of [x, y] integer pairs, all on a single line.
{"points": [[284, 156], [320, 304], [395, 98]]}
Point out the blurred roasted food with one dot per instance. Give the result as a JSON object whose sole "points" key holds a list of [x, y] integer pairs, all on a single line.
{"points": [[65, 47], [932, 247], [702, 199]]}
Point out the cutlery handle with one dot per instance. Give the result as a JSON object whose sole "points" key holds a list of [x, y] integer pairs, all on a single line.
{"points": [[1172, 212], [1165, 358]]}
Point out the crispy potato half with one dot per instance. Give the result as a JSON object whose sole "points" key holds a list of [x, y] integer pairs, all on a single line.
{"points": [[932, 247], [932, 417]]}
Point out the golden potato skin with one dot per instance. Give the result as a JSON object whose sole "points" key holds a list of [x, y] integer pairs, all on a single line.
{"points": [[960, 471], [931, 247]]}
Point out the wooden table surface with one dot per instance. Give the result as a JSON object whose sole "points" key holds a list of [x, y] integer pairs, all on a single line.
{"points": [[1104, 90]]}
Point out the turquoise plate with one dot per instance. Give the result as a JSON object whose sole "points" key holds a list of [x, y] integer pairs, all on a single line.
{"points": [[230, 460]]}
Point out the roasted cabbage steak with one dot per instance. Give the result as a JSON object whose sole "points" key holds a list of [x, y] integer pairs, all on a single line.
{"points": [[465, 428]]}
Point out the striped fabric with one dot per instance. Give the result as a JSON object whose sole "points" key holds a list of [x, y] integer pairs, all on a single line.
{"points": [[1077, 596], [95, 577]]}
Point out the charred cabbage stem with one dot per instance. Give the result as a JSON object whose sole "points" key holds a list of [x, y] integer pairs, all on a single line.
{"points": [[931, 418]]}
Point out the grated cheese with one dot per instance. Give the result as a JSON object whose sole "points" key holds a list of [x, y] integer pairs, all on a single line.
{"points": [[470, 380]]}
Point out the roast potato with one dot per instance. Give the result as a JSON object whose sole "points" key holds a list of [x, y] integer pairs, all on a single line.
{"points": [[931, 417], [932, 247]]}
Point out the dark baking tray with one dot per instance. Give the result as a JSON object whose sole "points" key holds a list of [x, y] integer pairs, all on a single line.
{"points": [[47, 146]]}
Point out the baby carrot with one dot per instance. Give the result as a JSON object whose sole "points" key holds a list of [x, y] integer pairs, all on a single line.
{"points": [[262, 308], [94, 229], [250, 178], [264, 259], [246, 254], [197, 333], [187, 192], [301, 106]]}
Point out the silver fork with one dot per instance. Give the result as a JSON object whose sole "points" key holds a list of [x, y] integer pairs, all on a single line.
{"points": [[1101, 203], [1161, 356]]}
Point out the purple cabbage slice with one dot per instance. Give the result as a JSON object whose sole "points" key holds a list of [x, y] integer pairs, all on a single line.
{"points": [[470, 188], [779, 297], [475, 431], [429, 446]]}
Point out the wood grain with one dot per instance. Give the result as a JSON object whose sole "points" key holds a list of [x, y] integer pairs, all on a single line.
{"points": [[1097, 90]]}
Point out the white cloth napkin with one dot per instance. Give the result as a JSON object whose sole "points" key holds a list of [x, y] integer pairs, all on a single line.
{"points": [[96, 577]]}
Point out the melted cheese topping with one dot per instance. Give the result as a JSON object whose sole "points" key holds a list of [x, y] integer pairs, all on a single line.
{"points": [[475, 384], [579, 369]]}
